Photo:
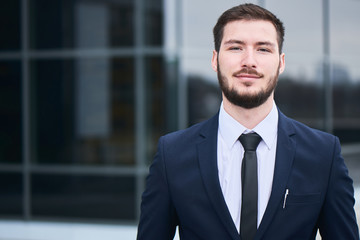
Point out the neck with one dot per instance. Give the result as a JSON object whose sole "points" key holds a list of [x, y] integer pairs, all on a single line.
{"points": [[249, 118]]}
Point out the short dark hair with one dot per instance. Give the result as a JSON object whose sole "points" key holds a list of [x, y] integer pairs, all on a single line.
{"points": [[248, 12]]}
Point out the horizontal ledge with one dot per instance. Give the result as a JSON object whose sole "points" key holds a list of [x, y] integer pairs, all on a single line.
{"points": [[81, 170]]}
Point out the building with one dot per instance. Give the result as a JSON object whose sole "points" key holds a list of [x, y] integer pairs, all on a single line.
{"points": [[88, 86]]}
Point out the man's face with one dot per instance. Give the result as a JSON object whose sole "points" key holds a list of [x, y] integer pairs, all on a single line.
{"points": [[248, 62]]}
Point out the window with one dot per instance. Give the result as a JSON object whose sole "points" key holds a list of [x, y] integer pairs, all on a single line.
{"points": [[84, 98]]}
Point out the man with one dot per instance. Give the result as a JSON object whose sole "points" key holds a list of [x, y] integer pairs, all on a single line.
{"points": [[201, 177]]}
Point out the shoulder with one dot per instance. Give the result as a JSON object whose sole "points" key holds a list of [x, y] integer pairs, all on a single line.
{"points": [[193, 133], [177, 147]]}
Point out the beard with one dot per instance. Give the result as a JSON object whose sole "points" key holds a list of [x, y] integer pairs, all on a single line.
{"points": [[247, 100]]}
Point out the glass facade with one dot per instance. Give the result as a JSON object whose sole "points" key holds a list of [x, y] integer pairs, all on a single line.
{"points": [[89, 108], [345, 70], [88, 86], [84, 99], [303, 76], [81, 197]]}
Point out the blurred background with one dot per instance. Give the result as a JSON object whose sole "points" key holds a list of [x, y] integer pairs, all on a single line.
{"points": [[88, 86]]}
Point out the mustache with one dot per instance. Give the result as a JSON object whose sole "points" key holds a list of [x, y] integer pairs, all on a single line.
{"points": [[248, 71]]}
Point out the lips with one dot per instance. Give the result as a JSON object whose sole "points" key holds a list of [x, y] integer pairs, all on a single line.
{"points": [[247, 76]]}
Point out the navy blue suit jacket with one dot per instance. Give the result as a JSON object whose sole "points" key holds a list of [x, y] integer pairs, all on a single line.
{"points": [[183, 188]]}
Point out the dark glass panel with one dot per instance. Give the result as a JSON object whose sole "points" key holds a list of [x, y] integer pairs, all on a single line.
{"points": [[122, 145], [204, 98], [156, 102], [122, 23], [83, 197], [153, 22], [52, 83], [346, 99], [81, 23], [11, 192], [51, 24], [10, 26], [302, 100], [83, 111], [10, 112]]}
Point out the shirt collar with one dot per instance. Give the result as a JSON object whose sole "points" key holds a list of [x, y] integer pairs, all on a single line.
{"points": [[230, 129]]}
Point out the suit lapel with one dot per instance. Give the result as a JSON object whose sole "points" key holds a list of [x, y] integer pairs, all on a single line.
{"points": [[285, 152], [207, 157]]}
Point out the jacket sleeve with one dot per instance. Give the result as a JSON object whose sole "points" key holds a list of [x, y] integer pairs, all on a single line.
{"points": [[337, 219], [158, 218]]}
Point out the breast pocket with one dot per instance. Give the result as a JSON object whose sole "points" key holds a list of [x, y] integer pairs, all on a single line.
{"points": [[302, 199]]}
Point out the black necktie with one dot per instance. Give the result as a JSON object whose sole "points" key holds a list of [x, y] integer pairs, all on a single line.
{"points": [[248, 220]]}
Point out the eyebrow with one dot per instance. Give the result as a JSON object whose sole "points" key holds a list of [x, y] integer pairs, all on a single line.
{"points": [[233, 41], [261, 43], [265, 43]]}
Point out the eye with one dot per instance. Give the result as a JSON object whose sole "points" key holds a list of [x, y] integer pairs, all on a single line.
{"points": [[235, 48], [264, 50]]}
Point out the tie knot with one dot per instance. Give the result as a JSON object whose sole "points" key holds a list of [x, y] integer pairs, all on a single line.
{"points": [[250, 141]]}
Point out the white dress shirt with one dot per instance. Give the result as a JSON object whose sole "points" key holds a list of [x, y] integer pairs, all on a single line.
{"points": [[230, 153]]}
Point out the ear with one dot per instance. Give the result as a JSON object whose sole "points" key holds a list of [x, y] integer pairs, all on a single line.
{"points": [[214, 60], [282, 63]]}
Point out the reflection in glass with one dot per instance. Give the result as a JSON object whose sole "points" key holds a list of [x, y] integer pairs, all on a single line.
{"points": [[122, 26], [81, 23], [11, 192], [345, 69], [346, 99], [302, 100], [10, 25], [156, 102], [153, 22], [204, 98], [91, 197], [83, 111], [10, 112]]}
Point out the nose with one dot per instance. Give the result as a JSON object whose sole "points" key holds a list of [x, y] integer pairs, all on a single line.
{"points": [[248, 59]]}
